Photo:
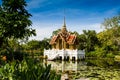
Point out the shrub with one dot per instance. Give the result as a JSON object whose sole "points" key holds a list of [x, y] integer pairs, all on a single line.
{"points": [[110, 55], [27, 70]]}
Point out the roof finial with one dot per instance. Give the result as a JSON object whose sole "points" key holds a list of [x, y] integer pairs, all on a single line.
{"points": [[64, 22], [64, 30], [64, 19]]}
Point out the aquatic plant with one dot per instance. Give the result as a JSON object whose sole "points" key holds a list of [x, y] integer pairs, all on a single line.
{"points": [[28, 69]]}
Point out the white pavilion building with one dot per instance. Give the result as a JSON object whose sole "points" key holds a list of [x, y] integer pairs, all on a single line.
{"points": [[64, 45]]}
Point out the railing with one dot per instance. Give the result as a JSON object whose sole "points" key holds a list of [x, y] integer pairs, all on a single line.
{"points": [[54, 53], [65, 52]]}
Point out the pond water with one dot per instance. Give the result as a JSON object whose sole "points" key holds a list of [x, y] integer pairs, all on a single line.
{"points": [[91, 68]]}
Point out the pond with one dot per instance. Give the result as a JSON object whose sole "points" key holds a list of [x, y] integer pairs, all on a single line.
{"points": [[90, 68]]}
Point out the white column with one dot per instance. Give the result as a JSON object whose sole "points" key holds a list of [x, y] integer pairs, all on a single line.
{"points": [[62, 54], [76, 57], [76, 53], [70, 52]]}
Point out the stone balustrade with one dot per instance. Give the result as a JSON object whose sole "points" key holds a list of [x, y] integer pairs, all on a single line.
{"points": [[55, 53]]}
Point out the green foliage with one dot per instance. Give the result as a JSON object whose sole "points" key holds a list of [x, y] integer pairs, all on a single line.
{"points": [[102, 52], [34, 44], [36, 47], [12, 50], [97, 69], [111, 35], [108, 40], [44, 44], [14, 25], [55, 32], [88, 40], [28, 69], [14, 20], [82, 41], [117, 58], [99, 52], [110, 55], [111, 22]]}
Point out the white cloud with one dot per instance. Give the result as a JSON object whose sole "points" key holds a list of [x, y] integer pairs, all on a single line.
{"points": [[79, 28], [95, 27], [45, 30], [36, 3], [42, 33]]}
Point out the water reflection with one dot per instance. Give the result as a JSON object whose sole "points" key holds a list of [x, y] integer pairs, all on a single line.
{"points": [[97, 69], [67, 65], [103, 63], [83, 65]]}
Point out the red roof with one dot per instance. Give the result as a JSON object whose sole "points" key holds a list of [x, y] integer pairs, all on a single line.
{"points": [[53, 40], [70, 39]]}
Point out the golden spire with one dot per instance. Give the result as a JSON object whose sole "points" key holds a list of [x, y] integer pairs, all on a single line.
{"points": [[64, 25], [64, 30]]}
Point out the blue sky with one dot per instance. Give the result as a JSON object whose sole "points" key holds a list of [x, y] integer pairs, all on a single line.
{"points": [[47, 15]]}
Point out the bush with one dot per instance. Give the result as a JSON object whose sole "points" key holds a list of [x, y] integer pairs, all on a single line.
{"points": [[19, 55], [6, 53], [110, 55], [27, 70]]}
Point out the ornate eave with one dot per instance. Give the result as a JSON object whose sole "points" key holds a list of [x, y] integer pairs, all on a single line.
{"points": [[64, 39]]}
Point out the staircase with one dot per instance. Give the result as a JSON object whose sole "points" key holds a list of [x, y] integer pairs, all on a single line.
{"points": [[53, 56]]}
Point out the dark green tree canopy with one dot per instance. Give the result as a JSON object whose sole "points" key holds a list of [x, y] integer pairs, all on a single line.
{"points": [[14, 20]]}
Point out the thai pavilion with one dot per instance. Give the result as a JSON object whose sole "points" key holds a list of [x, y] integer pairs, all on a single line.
{"points": [[64, 45]]}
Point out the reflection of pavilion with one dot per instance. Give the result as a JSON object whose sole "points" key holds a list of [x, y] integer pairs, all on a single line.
{"points": [[67, 66]]}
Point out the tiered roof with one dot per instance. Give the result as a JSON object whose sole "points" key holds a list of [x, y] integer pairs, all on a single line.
{"points": [[70, 39], [64, 35]]}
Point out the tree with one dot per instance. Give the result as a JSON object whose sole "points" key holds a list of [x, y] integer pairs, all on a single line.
{"points": [[55, 32], [111, 22], [14, 20], [33, 45], [112, 26], [91, 40], [45, 44], [82, 41]]}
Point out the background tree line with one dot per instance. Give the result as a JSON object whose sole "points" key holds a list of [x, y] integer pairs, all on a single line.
{"points": [[15, 27], [102, 44]]}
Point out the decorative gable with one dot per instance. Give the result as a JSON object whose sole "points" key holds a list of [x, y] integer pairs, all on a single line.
{"points": [[64, 39], [53, 40], [71, 39]]}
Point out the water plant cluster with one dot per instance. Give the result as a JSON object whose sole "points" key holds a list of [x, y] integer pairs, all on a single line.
{"points": [[98, 69], [28, 69], [96, 73]]}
